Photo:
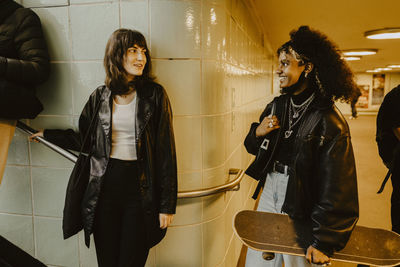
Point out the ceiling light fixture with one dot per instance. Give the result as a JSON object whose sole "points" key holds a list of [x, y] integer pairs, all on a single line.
{"points": [[351, 58], [386, 33], [394, 66], [359, 52], [382, 69]]}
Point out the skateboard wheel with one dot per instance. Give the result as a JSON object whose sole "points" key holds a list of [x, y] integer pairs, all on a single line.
{"points": [[268, 256]]}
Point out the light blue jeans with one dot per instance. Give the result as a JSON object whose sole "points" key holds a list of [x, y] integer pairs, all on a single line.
{"points": [[271, 200]]}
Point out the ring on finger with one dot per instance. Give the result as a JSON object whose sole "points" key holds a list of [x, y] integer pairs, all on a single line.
{"points": [[270, 125]]}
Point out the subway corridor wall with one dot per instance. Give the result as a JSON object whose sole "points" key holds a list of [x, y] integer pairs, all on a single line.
{"points": [[216, 66]]}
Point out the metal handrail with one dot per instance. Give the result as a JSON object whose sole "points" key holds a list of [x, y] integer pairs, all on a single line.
{"points": [[233, 185], [69, 155]]}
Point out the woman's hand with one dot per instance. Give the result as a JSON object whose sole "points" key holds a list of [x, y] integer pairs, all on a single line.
{"points": [[33, 136], [315, 256], [165, 220], [267, 125]]}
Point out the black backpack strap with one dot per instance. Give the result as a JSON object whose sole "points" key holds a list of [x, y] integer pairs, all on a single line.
{"points": [[391, 166], [88, 133], [388, 174]]}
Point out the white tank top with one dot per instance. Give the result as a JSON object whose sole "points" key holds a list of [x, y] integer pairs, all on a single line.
{"points": [[123, 144]]}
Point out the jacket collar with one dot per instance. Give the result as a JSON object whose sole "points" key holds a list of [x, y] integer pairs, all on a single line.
{"points": [[7, 7], [145, 104]]}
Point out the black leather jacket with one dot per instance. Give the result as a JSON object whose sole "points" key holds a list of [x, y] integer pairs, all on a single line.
{"points": [[322, 186], [155, 152]]}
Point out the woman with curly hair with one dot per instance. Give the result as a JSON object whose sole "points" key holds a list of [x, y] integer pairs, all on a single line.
{"points": [[304, 156]]}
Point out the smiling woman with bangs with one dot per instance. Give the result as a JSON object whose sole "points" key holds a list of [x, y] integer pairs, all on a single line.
{"points": [[131, 196]]}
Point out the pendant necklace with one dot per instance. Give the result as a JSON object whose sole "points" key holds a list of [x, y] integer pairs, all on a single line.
{"points": [[296, 112]]}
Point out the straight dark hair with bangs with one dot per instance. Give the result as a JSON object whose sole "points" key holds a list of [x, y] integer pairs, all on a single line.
{"points": [[116, 48]]}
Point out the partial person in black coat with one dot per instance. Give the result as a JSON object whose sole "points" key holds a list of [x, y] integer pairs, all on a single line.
{"points": [[388, 139], [24, 63]]}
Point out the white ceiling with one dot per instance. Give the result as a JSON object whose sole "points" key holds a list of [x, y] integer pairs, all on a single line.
{"points": [[344, 21]]}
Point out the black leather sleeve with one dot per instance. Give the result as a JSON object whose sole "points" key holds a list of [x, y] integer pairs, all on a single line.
{"points": [[3, 65], [70, 138], [32, 65], [335, 212], [166, 166], [66, 139]]}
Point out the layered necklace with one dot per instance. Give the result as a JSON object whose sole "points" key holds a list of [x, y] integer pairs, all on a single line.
{"points": [[296, 112]]}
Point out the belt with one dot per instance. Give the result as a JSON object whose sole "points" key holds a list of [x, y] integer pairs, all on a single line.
{"points": [[279, 167]]}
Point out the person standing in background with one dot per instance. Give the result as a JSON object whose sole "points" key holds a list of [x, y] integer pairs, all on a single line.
{"points": [[354, 99]]}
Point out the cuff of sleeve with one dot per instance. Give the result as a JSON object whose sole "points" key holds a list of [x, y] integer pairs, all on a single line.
{"points": [[46, 133], [258, 139], [50, 134], [324, 248], [167, 211], [3, 66]]}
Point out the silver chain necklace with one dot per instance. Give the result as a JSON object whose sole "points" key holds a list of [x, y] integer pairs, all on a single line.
{"points": [[297, 112]]}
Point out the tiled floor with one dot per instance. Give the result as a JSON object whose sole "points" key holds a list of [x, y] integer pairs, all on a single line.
{"points": [[374, 208]]}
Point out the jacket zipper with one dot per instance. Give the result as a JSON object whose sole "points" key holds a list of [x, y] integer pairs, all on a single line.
{"points": [[278, 137], [292, 171]]}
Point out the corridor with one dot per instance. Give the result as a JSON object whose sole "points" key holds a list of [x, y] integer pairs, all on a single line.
{"points": [[217, 62], [374, 208]]}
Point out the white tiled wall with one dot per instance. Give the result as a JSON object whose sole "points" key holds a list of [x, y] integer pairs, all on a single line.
{"points": [[208, 56]]}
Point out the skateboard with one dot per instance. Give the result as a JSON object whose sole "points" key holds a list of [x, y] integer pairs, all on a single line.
{"points": [[271, 232]]}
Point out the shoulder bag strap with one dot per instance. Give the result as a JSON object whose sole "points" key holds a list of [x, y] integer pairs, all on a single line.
{"points": [[88, 133]]}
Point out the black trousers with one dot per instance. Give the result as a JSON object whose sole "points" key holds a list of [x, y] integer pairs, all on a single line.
{"points": [[353, 109], [119, 229]]}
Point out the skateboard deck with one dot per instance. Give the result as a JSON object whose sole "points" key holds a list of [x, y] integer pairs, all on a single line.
{"points": [[272, 232]]}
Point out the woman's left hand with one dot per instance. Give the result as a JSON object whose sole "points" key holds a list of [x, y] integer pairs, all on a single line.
{"points": [[165, 220]]}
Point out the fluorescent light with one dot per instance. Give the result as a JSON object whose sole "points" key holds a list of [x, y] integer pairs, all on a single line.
{"points": [[351, 58], [394, 66], [359, 52], [382, 69], [379, 70], [386, 33]]}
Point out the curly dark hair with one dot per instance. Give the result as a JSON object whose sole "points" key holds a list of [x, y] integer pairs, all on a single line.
{"points": [[334, 75]]}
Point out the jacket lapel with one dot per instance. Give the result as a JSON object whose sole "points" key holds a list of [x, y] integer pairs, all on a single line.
{"points": [[105, 114], [144, 110]]}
